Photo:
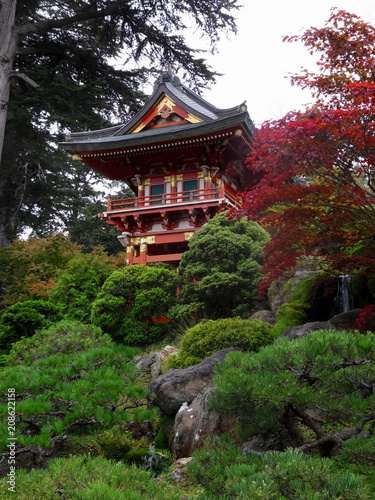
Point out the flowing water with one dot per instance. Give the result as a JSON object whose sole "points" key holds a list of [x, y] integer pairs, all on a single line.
{"points": [[344, 298]]}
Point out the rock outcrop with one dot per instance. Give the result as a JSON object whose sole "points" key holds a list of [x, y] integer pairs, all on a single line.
{"points": [[185, 393], [345, 321], [181, 385], [153, 361], [196, 421], [295, 332], [264, 315]]}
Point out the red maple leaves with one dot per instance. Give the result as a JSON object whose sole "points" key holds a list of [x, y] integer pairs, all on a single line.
{"points": [[316, 194]]}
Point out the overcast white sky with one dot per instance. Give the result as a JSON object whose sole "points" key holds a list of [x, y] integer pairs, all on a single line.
{"points": [[256, 61]]}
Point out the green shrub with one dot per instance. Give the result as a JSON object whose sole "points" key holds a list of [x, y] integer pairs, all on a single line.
{"points": [[74, 392], [358, 456], [79, 284], [65, 337], [221, 269], [138, 334], [210, 336], [25, 318], [131, 300], [210, 463], [274, 390]]}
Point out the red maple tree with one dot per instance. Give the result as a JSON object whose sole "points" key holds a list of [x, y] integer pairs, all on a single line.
{"points": [[316, 193]]}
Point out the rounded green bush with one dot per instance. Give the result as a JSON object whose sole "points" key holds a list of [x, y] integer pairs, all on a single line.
{"points": [[207, 337], [79, 284], [130, 302]]}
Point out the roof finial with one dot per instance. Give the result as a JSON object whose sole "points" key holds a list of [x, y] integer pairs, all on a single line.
{"points": [[167, 75]]}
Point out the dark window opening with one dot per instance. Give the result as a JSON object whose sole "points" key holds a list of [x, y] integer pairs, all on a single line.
{"points": [[157, 192], [190, 190]]}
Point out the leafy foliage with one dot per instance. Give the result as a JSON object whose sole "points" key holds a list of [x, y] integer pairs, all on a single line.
{"points": [[90, 231], [328, 373], [316, 194], [24, 319], [221, 269], [210, 336], [80, 282], [77, 384], [130, 301], [368, 312], [345, 45], [30, 268]]}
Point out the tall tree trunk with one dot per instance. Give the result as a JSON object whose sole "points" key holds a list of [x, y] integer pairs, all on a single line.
{"points": [[7, 52], [8, 41]]}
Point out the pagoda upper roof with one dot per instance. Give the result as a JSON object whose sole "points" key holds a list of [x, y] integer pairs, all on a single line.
{"points": [[173, 111]]}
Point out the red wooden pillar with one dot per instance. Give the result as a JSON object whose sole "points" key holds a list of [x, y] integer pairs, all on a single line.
{"points": [[130, 255], [141, 195]]}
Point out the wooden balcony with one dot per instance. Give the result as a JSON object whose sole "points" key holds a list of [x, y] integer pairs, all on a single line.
{"points": [[223, 194]]}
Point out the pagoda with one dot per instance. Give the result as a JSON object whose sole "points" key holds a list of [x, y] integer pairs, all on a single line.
{"points": [[184, 160]]}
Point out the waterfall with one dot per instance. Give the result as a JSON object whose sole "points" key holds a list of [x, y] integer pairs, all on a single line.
{"points": [[344, 298]]}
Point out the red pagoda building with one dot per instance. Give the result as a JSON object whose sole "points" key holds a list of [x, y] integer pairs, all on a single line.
{"points": [[184, 160]]}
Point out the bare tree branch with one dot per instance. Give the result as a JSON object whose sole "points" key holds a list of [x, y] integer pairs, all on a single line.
{"points": [[22, 76]]}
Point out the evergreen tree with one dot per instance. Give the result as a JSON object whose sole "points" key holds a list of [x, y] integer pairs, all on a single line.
{"points": [[57, 72], [221, 270]]}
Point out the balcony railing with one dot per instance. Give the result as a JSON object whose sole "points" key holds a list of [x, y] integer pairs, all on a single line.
{"points": [[216, 192]]}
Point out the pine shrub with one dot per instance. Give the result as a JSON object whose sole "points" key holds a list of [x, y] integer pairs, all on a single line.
{"points": [[87, 478], [64, 337], [224, 472]]}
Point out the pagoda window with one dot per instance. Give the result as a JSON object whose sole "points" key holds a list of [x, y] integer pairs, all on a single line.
{"points": [[189, 187], [156, 194]]}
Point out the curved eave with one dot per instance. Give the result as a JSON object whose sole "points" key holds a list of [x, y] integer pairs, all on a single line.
{"points": [[221, 112]]}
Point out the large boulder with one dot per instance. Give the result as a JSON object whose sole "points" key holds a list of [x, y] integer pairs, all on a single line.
{"points": [[196, 421], [295, 332], [265, 316], [152, 362], [181, 385], [345, 321]]}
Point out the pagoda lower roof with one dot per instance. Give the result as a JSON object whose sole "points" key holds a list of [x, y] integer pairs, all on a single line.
{"points": [[232, 123]]}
